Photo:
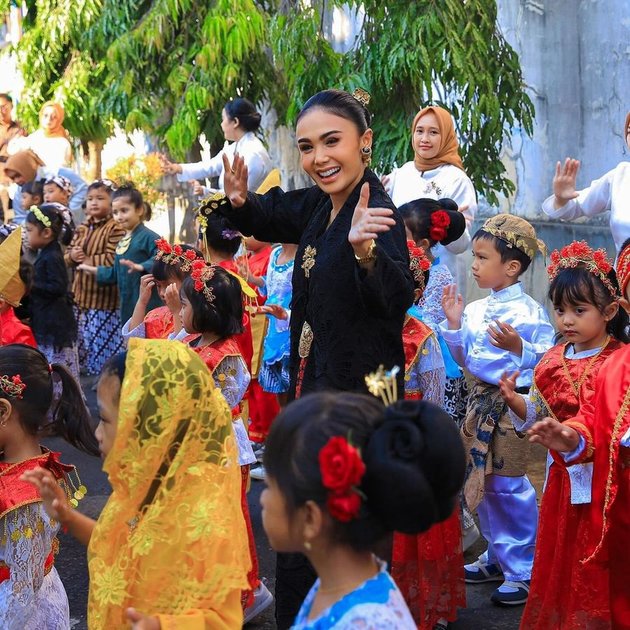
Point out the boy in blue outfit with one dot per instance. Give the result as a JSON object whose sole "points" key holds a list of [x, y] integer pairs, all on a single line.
{"points": [[504, 332]]}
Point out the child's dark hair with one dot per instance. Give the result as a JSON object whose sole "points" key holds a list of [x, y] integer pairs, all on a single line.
{"points": [[115, 366], [35, 188], [575, 285], [130, 192], [163, 271], [220, 234], [340, 104], [413, 455], [417, 217], [61, 222], [102, 184], [506, 251], [70, 418], [245, 111], [224, 316]]}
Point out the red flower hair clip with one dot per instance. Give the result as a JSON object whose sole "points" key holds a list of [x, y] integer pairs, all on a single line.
{"points": [[418, 263], [580, 253], [12, 386], [202, 273], [439, 223], [175, 255], [342, 469]]}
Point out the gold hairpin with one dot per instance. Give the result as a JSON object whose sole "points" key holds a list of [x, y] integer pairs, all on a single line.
{"points": [[383, 384], [362, 96]]}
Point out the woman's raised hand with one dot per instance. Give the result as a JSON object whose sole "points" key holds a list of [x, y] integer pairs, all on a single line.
{"points": [[168, 167], [564, 182], [453, 306], [53, 497], [235, 180], [368, 223]]}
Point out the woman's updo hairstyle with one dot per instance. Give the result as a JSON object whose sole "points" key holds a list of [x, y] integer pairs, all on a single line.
{"points": [[417, 217], [340, 104], [413, 455], [245, 111]]}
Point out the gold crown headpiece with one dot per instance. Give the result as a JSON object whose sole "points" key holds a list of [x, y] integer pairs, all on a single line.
{"points": [[383, 384], [515, 232]]}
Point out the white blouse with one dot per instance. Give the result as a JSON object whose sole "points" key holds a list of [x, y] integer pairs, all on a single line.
{"points": [[610, 192], [249, 147], [408, 183]]}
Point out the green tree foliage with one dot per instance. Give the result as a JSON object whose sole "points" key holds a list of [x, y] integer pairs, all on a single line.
{"points": [[167, 67]]}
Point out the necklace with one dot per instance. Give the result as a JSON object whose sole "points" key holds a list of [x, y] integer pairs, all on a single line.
{"points": [[578, 386]]}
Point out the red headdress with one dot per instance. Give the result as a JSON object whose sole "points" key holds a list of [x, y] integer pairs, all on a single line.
{"points": [[580, 253], [623, 268], [201, 273], [176, 255], [418, 263]]}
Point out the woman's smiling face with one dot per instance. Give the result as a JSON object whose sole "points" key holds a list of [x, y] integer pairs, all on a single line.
{"points": [[330, 147]]}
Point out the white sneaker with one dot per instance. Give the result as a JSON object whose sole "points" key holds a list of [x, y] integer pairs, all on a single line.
{"points": [[258, 473], [262, 600]]}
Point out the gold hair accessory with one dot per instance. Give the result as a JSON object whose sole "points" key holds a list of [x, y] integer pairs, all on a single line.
{"points": [[515, 232], [383, 384], [40, 216], [12, 288], [362, 96]]}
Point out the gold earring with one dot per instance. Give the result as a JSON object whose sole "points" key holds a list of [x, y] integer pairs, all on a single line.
{"points": [[308, 546], [366, 155]]}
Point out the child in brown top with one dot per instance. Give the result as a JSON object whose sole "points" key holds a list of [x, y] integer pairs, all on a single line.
{"points": [[95, 243]]}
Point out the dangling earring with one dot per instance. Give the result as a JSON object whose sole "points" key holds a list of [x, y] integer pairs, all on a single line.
{"points": [[307, 545], [366, 155]]}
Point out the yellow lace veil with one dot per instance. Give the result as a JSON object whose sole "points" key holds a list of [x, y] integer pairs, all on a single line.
{"points": [[171, 540]]}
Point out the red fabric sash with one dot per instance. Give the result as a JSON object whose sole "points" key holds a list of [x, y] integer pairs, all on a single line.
{"points": [[158, 323]]}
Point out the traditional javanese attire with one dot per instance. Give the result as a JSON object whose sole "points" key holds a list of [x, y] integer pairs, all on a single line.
{"points": [[428, 567], [171, 540], [32, 596], [564, 594], [231, 376], [139, 247], [496, 482], [603, 424]]}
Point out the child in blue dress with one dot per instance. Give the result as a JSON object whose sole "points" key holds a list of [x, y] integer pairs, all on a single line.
{"points": [[343, 472], [274, 371]]}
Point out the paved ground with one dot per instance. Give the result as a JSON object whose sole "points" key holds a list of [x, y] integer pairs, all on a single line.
{"points": [[71, 562]]}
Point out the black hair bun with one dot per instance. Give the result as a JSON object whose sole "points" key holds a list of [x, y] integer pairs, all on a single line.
{"points": [[418, 213], [415, 465]]}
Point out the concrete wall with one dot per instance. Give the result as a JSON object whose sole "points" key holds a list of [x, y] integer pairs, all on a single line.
{"points": [[575, 56]]}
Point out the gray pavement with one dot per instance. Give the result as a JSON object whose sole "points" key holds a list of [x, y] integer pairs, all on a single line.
{"points": [[480, 614]]}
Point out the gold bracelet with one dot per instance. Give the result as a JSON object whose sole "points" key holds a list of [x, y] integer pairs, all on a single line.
{"points": [[369, 257]]}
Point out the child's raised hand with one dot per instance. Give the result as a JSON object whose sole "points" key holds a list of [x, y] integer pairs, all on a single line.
{"points": [[235, 180], [140, 621], [507, 386], [171, 297], [368, 223], [147, 283], [554, 435], [275, 310], [54, 498], [131, 266], [564, 181], [453, 306], [505, 337]]}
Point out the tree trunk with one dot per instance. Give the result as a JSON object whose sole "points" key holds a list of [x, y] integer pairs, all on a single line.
{"points": [[95, 164]]}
